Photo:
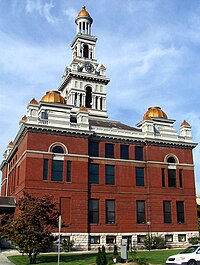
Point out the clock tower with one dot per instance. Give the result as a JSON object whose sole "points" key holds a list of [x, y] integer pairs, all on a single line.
{"points": [[84, 80]]}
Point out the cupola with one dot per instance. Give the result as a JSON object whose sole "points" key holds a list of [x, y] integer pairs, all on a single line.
{"points": [[84, 22]]}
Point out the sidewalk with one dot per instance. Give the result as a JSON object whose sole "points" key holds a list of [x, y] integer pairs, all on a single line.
{"points": [[4, 260]]}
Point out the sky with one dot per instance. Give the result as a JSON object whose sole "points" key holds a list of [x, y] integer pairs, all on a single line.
{"points": [[151, 49]]}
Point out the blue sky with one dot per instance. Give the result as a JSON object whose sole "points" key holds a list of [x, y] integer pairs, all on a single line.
{"points": [[151, 50]]}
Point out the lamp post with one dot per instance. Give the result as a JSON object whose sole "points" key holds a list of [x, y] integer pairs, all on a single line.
{"points": [[149, 236], [59, 228]]}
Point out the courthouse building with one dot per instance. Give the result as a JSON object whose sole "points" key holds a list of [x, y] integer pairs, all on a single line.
{"points": [[110, 180]]}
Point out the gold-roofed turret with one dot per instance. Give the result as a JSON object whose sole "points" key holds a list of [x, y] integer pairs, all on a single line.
{"points": [[24, 118], [33, 101], [83, 108], [53, 97], [154, 112], [185, 123], [83, 12], [11, 144]]}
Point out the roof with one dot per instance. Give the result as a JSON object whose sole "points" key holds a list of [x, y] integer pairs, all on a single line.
{"points": [[111, 124]]}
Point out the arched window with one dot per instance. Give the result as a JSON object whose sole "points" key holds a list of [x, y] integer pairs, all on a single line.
{"points": [[171, 159], [88, 98], [85, 51], [57, 149]]}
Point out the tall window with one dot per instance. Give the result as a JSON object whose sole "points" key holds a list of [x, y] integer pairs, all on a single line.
{"points": [[139, 172], [93, 149], [57, 170], [167, 212], [181, 178], [88, 98], [180, 212], [171, 177], [109, 150], [69, 165], [124, 151], [85, 51], [163, 177], [93, 173], [93, 211], [139, 153], [45, 169], [110, 211], [110, 174], [140, 207]]}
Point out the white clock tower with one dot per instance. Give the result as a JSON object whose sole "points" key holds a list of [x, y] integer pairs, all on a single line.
{"points": [[84, 80]]}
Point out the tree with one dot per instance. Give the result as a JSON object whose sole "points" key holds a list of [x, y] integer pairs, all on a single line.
{"points": [[103, 252], [31, 228], [99, 257]]}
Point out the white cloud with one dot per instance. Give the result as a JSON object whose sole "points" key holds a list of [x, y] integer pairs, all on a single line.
{"points": [[44, 9]]}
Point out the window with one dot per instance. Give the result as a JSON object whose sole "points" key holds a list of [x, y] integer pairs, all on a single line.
{"points": [[110, 211], [180, 212], [44, 115], [85, 50], [139, 153], [171, 177], [140, 207], [57, 149], [110, 239], [163, 177], [167, 212], [181, 178], [94, 239], [110, 174], [168, 238], [88, 98], [182, 238], [57, 170], [93, 174], [93, 211], [124, 151], [109, 150], [45, 169], [139, 171], [171, 159], [69, 165], [94, 149], [140, 239]]}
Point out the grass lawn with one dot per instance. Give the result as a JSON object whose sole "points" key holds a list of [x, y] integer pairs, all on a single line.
{"points": [[157, 256], [153, 257]]}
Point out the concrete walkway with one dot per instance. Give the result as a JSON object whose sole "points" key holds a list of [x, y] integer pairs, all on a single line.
{"points": [[4, 260]]}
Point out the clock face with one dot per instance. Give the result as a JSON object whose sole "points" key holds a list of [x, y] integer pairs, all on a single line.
{"points": [[89, 67]]}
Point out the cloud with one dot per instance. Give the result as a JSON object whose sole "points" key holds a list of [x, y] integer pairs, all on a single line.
{"points": [[71, 13], [44, 9]]}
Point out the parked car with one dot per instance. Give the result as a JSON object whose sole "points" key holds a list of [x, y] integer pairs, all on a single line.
{"points": [[188, 256]]}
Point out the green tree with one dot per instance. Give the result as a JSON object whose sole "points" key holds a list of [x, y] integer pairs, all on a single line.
{"points": [[99, 258], [31, 228], [103, 251]]}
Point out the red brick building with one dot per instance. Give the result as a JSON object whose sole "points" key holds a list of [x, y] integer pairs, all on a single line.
{"points": [[110, 180]]}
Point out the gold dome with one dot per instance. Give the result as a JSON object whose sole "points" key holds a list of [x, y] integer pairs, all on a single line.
{"points": [[185, 123], [83, 13], [154, 112], [53, 97]]}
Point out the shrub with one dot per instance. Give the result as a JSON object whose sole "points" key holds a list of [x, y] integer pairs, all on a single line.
{"points": [[103, 252], [99, 258], [194, 240], [67, 245], [115, 251], [141, 260], [154, 242]]}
